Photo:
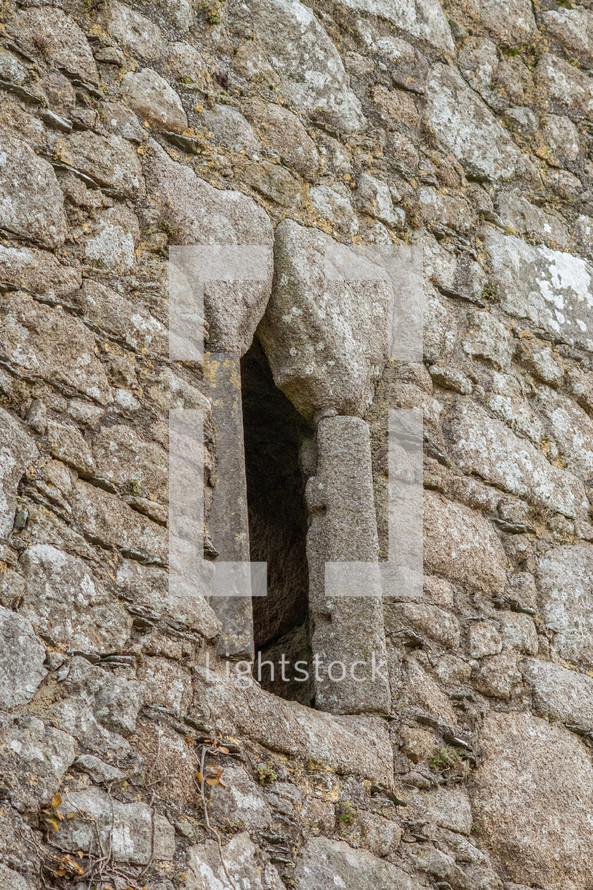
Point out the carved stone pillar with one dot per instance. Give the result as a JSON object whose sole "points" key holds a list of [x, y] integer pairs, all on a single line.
{"points": [[347, 626], [228, 524]]}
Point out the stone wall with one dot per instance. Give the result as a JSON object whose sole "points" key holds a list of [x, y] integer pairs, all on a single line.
{"points": [[462, 129]]}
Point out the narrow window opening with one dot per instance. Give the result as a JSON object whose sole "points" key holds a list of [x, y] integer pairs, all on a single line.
{"points": [[275, 438]]}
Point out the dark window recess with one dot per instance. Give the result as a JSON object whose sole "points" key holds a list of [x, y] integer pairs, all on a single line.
{"points": [[274, 436]]}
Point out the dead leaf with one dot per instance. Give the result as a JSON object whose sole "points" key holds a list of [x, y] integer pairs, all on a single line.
{"points": [[74, 865]]}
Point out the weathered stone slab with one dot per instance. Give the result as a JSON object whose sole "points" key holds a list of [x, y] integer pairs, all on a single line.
{"points": [[34, 758], [565, 578], [560, 693], [111, 161], [148, 587], [13, 880], [334, 204], [42, 342], [461, 545], [534, 793], [489, 449], [326, 340], [511, 20], [283, 131], [17, 451], [130, 462], [121, 120], [202, 215], [274, 182], [166, 684], [449, 807], [37, 271], [241, 803], [296, 42], [357, 745], [375, 199], [497, 675], [528, 219], [542, 361], [121, 318], [21, 660], [184, 60], [572, 430], [228, 522], [66, 442], [569, 90], [61, 39], [227, 126], [426, 21], [67, 606], [112, 240], [446, 211], [343, 528], [548, 287], [111, 522], [75, 716], [468, 128], [519, 632], [151, 96], [117, 704], [97, 769], [133, 30], [326, 864], [99, 710], [423, 618], [573, 28], [31, 201], [506, 399], [11, 69], [488, 338], [561, 143], [241, 863], [179, 13], [134, 832], [419, 690]]}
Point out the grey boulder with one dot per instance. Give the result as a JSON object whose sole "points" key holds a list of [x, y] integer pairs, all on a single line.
{"points": [[326, 339]]}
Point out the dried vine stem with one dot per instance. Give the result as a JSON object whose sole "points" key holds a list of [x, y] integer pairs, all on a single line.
{"points": [[212, 748]]}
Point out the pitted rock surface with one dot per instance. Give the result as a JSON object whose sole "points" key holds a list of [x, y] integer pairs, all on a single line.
{"points": [[315, 141], [31, 203], [21, 661], [306, 60], [526, 755], [468, 128]]}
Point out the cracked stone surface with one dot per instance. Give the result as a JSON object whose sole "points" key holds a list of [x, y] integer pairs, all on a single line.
{"points": [[283, 133], [21, 661]]}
